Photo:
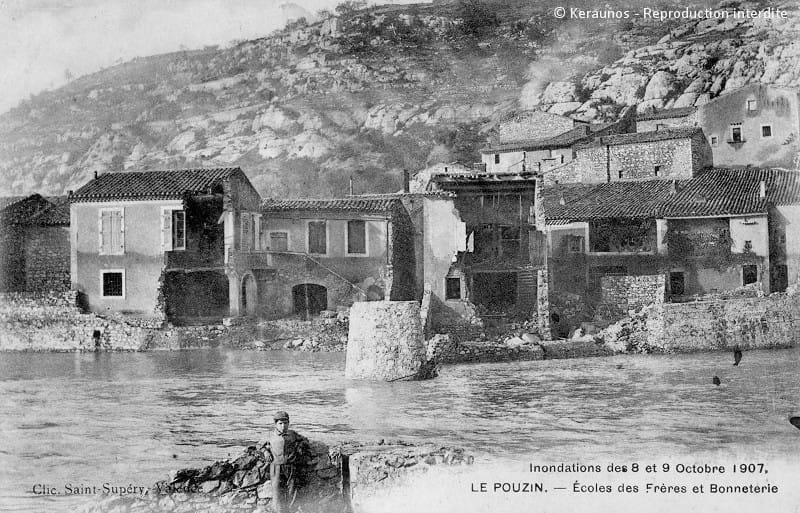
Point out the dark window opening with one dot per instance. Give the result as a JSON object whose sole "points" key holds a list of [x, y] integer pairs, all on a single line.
{"points": [[714, 140], [496, 158], [356, 237], [452, 288], [279, 241], [766, 131], [748, 245], [317, 237], [677, 285], [309, 299], [112, 284], [497, 292], [749, 274], [657, 171], [736, 134], [619, 173]]}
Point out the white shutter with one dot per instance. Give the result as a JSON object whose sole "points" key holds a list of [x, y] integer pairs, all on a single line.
{"points": [[106, 229], [166, 229], [121, 231], [257, 232]]}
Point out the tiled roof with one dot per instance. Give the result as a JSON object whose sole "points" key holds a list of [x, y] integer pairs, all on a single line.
{"points": [[633, 200], [718, 192], [640, 137], [562, 140], [172, 184], [680, 112], [34, 209], [721, 191], [364, 204], [483, 177], [8, 200]]}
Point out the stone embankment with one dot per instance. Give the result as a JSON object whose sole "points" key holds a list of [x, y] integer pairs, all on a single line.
{"points": [[713, 324], [335, 479]]}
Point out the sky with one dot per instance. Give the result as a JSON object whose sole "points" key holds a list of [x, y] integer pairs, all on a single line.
{"points": [[45, 42]]}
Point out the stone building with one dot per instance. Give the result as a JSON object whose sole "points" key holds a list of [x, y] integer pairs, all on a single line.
{"points": [[34, 244], [757, 125], [672, 153], [177, 244], [333, 252], [719, 231]]}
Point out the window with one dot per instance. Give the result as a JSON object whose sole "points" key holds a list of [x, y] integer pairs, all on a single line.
{"points": [[657, 171], [247, 232], [575, 244], [749, 274], [113, 283], [766, 131], [736, 134], [752, 105], [452, 288], [748, 246], [496, 158], [279, 241], [509, 241], [112, 231], [714, 141], [356, 237], [677, 284], [660, 126], [178, 229], [173, 229], [317, 237], [619, 173]]}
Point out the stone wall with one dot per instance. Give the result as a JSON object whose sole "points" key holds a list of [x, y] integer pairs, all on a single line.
{"points": [[750, 323], [621, 294], [47, 258], [385, 341], [55, 321], [533, 125]]}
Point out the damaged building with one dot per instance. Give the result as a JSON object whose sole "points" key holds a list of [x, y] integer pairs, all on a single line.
{"points": [[179, 245]]}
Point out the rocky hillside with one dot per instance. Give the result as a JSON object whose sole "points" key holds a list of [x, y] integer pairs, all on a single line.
{"points": [[366, 93]]}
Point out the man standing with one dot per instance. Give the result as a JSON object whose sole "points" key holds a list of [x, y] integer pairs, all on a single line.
{"points": [[286, 452]]}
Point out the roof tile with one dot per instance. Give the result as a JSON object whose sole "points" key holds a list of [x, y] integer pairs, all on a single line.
{"points": [[169, 184]]}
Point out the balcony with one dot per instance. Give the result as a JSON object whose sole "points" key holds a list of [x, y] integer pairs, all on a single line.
{"points": [[249, 259]]}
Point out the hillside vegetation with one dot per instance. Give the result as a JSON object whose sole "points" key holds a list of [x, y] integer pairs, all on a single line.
{"points": [[367, 93]]}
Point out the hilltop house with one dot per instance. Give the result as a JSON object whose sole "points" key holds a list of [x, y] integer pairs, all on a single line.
{"points": [[177, 244], [333, 252], [756, 125], [724, 229], [34, 244]]}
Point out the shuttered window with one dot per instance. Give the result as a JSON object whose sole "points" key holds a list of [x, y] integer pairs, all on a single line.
{"points": [[173, 229], [247, 233], [279, 241], [317, 237], [112, 231], [356, 237]]}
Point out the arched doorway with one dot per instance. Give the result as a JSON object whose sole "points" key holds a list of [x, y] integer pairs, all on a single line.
{"points": [[309, 299], [249, 295]]}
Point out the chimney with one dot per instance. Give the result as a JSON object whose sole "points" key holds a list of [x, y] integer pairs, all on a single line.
{"points": [[762, 189], [673, 188], [351, 185], [406, 181], [95, 175], [69, 192]]}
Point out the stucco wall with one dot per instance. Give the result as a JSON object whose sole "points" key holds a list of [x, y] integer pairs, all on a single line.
{"points": [[142, 260], [775, 107], [789, 218], [336, 235]]}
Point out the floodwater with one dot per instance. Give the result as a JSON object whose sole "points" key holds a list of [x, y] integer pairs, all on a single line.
{"points": [[129, 418]]}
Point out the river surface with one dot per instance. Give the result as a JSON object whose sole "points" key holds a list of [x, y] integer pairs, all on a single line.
{"points": [[129, 418]]}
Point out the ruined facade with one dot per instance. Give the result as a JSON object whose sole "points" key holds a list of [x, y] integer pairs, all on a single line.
{"points": [[149, 244], [500, 268]]}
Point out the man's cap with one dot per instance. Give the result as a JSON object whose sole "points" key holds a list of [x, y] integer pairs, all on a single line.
{"points": [[281, 415]]}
